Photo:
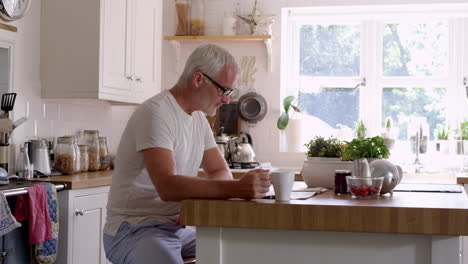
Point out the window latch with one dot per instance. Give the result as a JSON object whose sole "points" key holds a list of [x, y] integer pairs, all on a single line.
{"points": [[361, 84]]}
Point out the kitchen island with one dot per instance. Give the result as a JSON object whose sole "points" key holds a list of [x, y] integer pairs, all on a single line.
{"points": [[407, 227]]}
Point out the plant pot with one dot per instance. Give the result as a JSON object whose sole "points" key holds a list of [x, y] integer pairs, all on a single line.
{"points": [[320, 172], [462, 147], [442, 146]]}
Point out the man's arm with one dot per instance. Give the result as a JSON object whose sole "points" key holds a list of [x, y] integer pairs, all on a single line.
{"points": [[160, 164], [215, 166]]}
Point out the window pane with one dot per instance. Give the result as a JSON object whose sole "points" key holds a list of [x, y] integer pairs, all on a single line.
{"points": [[330, 50], [330, 107], [411, 49], [403, 104]]}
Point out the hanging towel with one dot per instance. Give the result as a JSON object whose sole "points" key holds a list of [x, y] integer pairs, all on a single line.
{"points": [[39, 220], [7, 221], [21, 212], [46, 252]]}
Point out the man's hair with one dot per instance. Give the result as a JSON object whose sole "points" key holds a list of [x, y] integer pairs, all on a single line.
{"points": [[209, 59]]}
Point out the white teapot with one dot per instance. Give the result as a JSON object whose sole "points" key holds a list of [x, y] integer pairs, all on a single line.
{"points": [[380, 168]]}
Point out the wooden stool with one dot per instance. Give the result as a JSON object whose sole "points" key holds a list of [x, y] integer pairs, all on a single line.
{"points": [[190, 261]]}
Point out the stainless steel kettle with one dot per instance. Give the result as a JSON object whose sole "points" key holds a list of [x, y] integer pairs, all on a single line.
{"points": [[240, 148]]}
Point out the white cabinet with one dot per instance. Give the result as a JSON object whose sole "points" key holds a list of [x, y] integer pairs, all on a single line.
{"points": [[82, 217], [104, 49]]}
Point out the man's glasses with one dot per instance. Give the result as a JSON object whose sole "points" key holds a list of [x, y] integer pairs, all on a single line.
{"points": [[226, 91]]}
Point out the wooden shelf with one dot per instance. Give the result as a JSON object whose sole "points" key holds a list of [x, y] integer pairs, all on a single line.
{"points": [[219, 38], [266, 39], [8, 27]]}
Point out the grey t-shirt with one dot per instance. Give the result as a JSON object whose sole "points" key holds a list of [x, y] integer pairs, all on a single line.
{"points": [[158, 122]]}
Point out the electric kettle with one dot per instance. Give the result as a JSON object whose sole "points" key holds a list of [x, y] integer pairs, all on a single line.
{"points": [[40, 157]]}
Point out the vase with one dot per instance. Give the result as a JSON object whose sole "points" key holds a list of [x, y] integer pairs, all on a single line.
{"points": [[320, 172]]}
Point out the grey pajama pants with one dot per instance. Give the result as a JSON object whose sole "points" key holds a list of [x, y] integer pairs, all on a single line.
{"points": [[150, 242]]}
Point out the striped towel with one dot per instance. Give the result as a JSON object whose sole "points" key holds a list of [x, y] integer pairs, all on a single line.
{"points": [[7, 221], [46, 252]]}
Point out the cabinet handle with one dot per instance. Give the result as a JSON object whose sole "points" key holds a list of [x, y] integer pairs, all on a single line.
{"points": [[130, 77], [139, 79], [79, 212]]}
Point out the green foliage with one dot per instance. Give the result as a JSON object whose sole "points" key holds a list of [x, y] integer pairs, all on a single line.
{"points": [[283, 120], [360, 129], [442, 131], [326, 148], [330, 50], [464, 130], [366, 148], [388, 123]]}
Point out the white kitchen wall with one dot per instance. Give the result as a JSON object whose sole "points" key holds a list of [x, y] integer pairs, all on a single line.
{"points": [[53, 117], [265, 135]]}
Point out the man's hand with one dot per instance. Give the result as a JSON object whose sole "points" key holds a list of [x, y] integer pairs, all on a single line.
{"points": [[254, 185]]}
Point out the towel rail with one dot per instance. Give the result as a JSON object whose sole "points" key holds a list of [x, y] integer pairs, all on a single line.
{"points": [[23, 190]]}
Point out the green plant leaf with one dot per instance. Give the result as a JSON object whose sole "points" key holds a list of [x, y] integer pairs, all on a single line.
{"points": [[283, 121], [287, 101], [464, 130]]}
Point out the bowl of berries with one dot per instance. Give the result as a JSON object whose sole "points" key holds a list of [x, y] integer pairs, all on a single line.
{"points": [[364, 187]]}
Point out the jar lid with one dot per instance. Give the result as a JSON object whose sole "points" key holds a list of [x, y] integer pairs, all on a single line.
{"points": [[65, 140], [91, 131], [341, 172]]}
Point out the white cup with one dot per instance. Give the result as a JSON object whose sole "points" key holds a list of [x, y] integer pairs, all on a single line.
{"points": [[282, 184]]}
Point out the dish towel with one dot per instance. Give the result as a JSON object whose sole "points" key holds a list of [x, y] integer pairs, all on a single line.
{"points": [[7, 221], [46, 252], [38, 214], [41, 208]]}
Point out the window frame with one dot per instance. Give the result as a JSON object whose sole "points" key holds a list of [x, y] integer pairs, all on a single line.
{"points": [[372, 18]]}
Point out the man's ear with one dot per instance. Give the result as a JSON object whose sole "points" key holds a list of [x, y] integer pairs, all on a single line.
{"points": [[197, 79]]}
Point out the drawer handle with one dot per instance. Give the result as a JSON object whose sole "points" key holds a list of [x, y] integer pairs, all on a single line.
{"points": [[79, 212]]}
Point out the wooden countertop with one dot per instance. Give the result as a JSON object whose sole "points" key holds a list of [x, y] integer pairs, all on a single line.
{"points": [[82, 180], [462, 179], [402, 213]]}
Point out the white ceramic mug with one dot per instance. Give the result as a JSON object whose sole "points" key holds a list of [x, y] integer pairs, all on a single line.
{"points": [[282, 184]]}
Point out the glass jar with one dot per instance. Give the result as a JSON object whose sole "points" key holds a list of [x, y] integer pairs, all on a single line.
{"points": [[65, 155], [104, 153], [23, 166], [77, 153], [183, 17], [91, 138], [84, 158], [341, 187], [197, 18]]}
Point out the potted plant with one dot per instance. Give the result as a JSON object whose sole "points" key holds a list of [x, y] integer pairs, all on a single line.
{"points": [[442, 134], [323, 158], [360, 129], [292, 138], [462, 143], [365, 148], [389, 133], [368, 148], [283, 120]]}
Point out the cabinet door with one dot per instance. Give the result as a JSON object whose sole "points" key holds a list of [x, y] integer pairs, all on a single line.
{"points": [[116, 47], [147, 47], [89, 216]]}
